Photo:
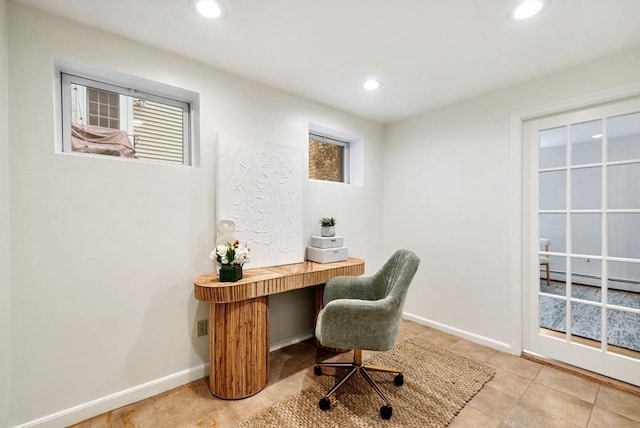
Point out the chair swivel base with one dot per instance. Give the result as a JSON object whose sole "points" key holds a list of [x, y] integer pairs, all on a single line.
{"points": [[357, 367]]}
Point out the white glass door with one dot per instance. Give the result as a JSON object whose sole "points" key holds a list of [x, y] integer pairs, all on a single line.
{"points": [[583, 226]]}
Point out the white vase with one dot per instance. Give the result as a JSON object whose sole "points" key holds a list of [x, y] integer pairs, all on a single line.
{"points": [[327, 231]]}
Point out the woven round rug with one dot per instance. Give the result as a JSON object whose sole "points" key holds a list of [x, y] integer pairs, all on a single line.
{"points": [[437, 385]]}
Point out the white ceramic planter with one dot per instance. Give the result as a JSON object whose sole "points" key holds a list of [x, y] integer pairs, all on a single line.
{"points": [[327, 230]]}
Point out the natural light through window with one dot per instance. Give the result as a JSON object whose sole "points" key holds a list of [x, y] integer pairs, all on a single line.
{"points": [[110, 118]]}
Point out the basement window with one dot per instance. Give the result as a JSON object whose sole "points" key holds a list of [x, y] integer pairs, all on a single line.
{"points": [[120, 117], [328, 158]]}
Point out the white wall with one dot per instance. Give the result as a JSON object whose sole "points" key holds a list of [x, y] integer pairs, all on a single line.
{"points": [[104, 251], [447, 195], [4, 221]]}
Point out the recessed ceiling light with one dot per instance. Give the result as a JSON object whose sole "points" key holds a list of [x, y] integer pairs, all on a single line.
{"points": [[208, 8], [525, 9], [597, 136], [372, 84]]}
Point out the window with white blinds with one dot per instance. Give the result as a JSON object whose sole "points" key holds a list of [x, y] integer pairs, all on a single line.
{"points": [[109, 117], [158, 131]]}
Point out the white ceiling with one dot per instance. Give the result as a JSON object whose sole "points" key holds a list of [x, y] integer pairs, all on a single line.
{"points": [[428, 52]]}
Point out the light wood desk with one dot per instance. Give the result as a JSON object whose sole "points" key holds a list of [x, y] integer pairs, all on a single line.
{"points": [[239, 319]]}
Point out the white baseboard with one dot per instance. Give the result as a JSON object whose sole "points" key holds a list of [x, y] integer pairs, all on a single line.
{"points": [[481, 340], [113, 401], [291, 340]]}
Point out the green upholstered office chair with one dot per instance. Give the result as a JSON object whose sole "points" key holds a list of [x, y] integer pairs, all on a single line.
{"points": [[365, 313]]}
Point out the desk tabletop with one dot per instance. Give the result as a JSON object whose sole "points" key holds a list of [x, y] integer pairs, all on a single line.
{"points": [[272, 280]]}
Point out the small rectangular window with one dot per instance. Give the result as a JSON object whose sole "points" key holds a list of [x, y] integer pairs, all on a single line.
{"points": [[328, 158], [110, 118]]}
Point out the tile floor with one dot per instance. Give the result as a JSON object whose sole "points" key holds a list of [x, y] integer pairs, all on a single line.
{"points": [[523, 393]]}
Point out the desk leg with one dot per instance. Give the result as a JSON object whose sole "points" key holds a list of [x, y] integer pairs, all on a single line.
{"points": [[239, 348]]}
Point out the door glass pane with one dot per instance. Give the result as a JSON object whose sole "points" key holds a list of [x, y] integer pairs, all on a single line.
{"points": [[553, 147], [586, 143], [586, 185], [557, 273], [586, 279], [553, 190], [624, 284], [553, 227], [586, 234], [553, 314], [623, 330], [586, 324], [623, 186], [624, 235], [623, 133]]}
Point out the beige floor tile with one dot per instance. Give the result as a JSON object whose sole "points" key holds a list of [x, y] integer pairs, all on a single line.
{"points": [[139, 415], [410, 329], [228, 417], [568, 383], [439, 338], [525, 415], [470, 417], [192, 399], [205, 422], [509, 383], [493, 402], [558, 403], [620, 402], [100, 421], [291, 385], [602, 418], [473, 350], [515, 365]]}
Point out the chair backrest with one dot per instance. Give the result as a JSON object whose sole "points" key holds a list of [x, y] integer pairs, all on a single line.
{"points": [[545, 244], [393, 279], [388, 288]]}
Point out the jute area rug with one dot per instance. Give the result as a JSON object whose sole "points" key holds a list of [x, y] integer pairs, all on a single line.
{"points": [[437, 385]]}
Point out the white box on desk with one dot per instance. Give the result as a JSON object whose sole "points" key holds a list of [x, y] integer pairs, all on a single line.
{"points": [[327, 241], [327, 255]]}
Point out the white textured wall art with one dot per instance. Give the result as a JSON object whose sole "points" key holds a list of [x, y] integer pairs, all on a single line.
{"points": [[259, 187]]}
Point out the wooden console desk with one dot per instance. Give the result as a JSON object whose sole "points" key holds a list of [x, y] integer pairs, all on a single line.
{"points": [[239, 319]]}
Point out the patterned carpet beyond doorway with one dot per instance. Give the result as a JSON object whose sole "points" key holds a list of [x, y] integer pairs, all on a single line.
{"points": [[623, 328]]}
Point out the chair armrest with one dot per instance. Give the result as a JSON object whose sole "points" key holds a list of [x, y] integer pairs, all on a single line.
{"points": [[359, 324], [348, 287]]}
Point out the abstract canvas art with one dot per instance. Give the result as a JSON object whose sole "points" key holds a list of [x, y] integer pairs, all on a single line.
{"points": [[259, 187]]}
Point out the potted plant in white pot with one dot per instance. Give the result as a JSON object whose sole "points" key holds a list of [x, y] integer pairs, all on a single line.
{"points": [[328, 226]]}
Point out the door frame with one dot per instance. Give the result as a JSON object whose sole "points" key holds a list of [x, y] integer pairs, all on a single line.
{"points": [[520, 238]]}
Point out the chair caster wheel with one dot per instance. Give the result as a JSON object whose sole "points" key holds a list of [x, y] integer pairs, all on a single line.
{"points": [[324, 403], [386, 412], [317, 370], [398, 380]]}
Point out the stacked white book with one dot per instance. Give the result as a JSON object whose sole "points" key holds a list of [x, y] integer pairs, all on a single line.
{"points": [[327, 249]]}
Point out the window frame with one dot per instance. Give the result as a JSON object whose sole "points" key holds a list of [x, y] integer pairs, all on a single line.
{"points": [[68, 72], [346, 162]]}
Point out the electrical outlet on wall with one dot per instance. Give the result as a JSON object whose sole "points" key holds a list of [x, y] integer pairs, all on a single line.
{"points": [[203, 328]]}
